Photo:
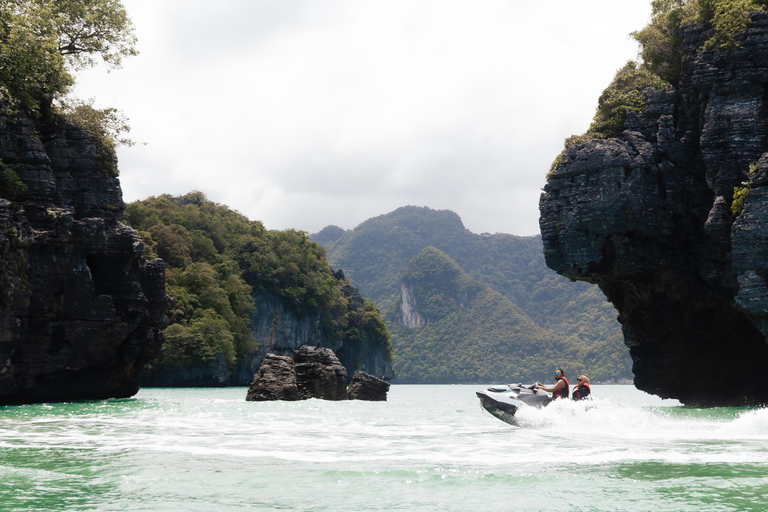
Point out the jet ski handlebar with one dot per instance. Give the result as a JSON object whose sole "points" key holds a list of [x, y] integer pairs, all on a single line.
{"points": [[532, 387]]}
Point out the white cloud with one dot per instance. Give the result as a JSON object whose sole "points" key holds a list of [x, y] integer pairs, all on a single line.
{"points": [[307, 113]]}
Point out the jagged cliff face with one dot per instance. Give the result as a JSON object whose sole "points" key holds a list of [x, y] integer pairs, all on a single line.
{"points": [[647, 217], [278, 329], [409, 313], [80, 308]]}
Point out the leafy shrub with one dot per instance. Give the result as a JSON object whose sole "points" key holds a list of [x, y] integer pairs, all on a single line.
{"points": [[10, 183], [728, 18], [106, 127], [622, 96], [739, 194], [660, 43]]}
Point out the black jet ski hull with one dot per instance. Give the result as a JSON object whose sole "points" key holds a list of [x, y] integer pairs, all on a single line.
{"points": [[504, 403], [504, 411]]}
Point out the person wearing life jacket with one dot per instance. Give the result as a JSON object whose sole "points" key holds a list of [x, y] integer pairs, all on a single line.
{"points": [[560, 389], [581, 390]]}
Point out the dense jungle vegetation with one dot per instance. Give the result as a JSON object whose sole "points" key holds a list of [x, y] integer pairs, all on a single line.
{"points": [[216, 259], [475, 334], [514, 298]]}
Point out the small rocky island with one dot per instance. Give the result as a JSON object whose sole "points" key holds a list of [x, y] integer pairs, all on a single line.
{"points": [[312, 372]]}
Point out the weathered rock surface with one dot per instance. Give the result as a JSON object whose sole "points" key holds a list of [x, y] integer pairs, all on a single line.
{"points": [[312, 372], [277, 329], [80, 308], [319, 374], [367, 387], [647, 217], [275, 380]]}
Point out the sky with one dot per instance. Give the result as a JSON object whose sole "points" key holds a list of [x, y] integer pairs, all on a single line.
{"points": [[307, 113]]}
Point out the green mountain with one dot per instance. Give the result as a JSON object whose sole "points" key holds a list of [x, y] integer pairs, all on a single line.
{"points": [[219, 266], [564, 321], [449, 328]]}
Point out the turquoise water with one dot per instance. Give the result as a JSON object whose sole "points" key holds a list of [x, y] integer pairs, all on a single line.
{"points": [[429, 448]]}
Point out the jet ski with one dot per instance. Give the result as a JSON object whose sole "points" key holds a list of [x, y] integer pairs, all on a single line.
{"points": [[503, 402]]}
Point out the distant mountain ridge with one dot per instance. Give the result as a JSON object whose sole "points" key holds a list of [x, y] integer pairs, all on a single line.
{"points": [[389, 256], [374, 255], [447, 327], [377, 257]]}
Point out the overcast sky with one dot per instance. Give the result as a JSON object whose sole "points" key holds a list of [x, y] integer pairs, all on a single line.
{"points": [[305, 113]]}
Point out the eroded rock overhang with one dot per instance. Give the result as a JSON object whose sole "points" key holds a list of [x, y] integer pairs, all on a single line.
{"points": [[647, 216]]}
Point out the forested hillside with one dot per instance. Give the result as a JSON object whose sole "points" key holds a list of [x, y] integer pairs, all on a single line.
{"points": [[217, 259], [575, 317], [374, 255], [463, 331]]}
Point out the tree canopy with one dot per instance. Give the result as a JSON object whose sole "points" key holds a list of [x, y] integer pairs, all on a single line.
{"points": [[475, 334], [660, 42], [41, 41], [91, 29], [217, 258]]}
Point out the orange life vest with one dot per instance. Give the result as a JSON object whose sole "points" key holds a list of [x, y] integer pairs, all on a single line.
{"points": [[577, 393], [562, 392]]}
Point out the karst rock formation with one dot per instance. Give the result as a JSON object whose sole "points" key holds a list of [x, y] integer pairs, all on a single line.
{"points": [[647, 216]]}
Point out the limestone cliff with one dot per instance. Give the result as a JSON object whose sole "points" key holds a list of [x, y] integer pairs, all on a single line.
{"points": [[80, 308], [647, 216], [277, 329], [410, 316]]}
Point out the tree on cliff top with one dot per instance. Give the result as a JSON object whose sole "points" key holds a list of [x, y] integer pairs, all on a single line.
{"points": [[622, 96], [661, 46], [41, 40], [90, 28], [661, 50]]}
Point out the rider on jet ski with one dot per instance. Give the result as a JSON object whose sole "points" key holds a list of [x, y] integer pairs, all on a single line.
{"points": [[560, 389], [582, 391]]}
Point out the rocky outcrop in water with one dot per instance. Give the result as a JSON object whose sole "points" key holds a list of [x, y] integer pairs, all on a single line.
{"points": [[312, 372], [275, 380], [319, 374], [647, 216], [278, 329], [367, 387], [80, 308]]}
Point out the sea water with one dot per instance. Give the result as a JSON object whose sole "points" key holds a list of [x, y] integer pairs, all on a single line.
{"points": [[428, 448]]}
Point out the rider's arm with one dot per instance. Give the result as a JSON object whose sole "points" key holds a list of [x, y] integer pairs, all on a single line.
{"points": [[551, 389]]}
